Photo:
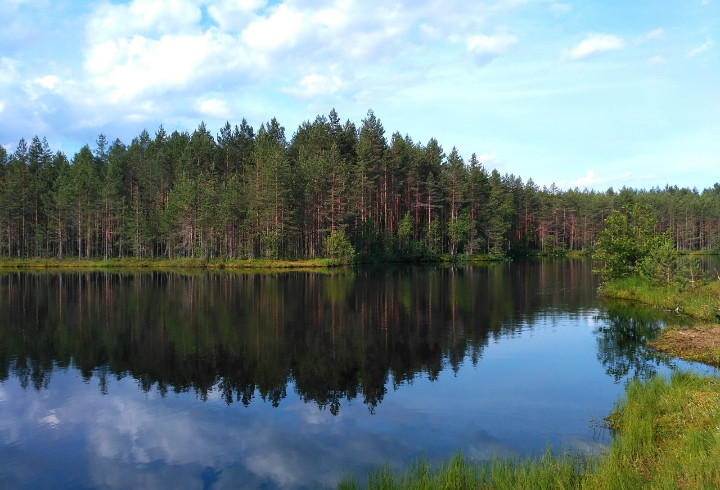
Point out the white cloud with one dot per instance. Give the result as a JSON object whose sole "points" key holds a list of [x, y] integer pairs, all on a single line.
{"points": [[234, 15], [488, 160], [331, 18], [700, 49], [485, 48], [142, 18], [149, 48], [2, 108], [39, 86], [657, 60], [48, 81], [314, 84], [278, 30], [594, 45], [589, 181], [214, 107], [141, 64]]}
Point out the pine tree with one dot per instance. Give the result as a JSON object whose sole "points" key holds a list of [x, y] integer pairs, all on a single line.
{"points": [[267, 191]]}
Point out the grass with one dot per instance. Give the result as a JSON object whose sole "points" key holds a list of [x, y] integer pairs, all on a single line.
{"points": [[547, 472], [252, 265], [666, 435], [701, 300], [184, 263]]}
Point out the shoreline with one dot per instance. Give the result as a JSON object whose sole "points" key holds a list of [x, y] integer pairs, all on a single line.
{"points": [[216, 264], [697, 343]]}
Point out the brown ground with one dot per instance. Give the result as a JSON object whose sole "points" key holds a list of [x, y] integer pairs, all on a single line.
{"points": [[700, 343]]}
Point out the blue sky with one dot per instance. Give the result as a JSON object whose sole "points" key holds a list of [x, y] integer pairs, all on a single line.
{"points": [[578, 93]]}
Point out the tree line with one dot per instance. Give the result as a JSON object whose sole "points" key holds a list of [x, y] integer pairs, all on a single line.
{"points": [[249, 194]]}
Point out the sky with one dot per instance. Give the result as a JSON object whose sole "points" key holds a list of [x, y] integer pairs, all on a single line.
{"points": [[586, 94]]}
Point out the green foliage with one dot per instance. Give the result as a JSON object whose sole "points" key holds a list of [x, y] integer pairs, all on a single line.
{"points": [[270, 241], [339, 248], [433, 236], [628, 239], [661, 263], [458, 230], [405, 228], [396, 200]]}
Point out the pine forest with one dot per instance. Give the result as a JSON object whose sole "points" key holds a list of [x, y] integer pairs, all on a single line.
{"points": [[247, 193]]}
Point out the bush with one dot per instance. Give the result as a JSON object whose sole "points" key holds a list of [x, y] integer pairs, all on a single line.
{"points": [[627, 243], [339, 248]]}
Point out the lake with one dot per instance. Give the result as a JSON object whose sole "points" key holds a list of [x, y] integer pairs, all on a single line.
{"points": [[296, 379]]}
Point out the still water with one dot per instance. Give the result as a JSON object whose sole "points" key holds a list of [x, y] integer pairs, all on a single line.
{"points": [[294, 380]]}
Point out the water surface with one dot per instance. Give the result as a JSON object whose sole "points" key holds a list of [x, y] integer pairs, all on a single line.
{"points": [[294, 380]]}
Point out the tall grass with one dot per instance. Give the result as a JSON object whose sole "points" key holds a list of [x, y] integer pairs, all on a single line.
{"points": [[667, 435], [548, 472]]}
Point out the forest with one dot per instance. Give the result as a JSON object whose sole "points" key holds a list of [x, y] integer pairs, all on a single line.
{"points": [[250, 194]]}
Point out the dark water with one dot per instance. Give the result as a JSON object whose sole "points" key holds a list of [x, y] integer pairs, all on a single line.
{"points": [[294, 380]]}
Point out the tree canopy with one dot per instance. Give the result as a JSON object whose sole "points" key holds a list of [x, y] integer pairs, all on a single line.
{"points": [[244, 193]]}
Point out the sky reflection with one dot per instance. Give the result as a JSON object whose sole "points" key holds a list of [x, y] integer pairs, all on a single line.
{"points": [[500, 361], [128, 438]]}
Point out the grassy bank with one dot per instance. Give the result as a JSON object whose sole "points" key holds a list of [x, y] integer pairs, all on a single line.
{"points": [[216, 264], [186, 263], [667, 435], [700, 301]]}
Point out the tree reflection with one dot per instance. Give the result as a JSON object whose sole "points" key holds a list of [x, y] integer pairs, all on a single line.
{"points": [[622, 341], [333, 336]]}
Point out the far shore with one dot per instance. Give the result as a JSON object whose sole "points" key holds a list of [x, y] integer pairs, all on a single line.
{"points": [[316, 264], [185, 263]]}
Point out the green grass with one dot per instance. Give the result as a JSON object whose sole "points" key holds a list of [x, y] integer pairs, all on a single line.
{"points": [[254, 265], [183, 263], [700, 301], [548, 472], [666, 435]]}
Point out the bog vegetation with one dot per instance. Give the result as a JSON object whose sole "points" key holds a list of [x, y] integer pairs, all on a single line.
{"points": [[333, 188]]}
